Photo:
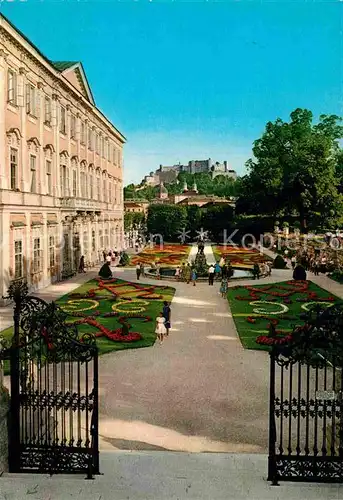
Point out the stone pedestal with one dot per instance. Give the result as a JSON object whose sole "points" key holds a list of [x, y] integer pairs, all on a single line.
{"points": [[4, 402]]}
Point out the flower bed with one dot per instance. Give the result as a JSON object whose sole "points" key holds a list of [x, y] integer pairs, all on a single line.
{"points": [[171, 254], [239, 256], [256, 308], [119, 313]]}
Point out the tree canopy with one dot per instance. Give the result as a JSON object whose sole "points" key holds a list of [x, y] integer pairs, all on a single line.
{"points": [[297, 168]]}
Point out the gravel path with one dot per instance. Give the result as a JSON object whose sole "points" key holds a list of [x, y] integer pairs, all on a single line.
{"points": [[199, 391]]}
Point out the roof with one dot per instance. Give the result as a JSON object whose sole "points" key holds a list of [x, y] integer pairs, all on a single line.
{"points": [[65, 67], [62, 65]]}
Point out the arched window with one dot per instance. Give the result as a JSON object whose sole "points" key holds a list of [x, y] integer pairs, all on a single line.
{"points": [[13, 141], [49, 151], [91, 181], [64, 174], [33, 146]]}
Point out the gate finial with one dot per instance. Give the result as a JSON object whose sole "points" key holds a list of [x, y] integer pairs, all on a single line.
{"points": [[17, 290]]}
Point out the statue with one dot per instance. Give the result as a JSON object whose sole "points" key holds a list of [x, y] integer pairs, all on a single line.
{"points": [[200, 264]]}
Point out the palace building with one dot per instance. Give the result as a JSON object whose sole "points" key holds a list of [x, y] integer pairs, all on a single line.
{"points": [[61, 167]]}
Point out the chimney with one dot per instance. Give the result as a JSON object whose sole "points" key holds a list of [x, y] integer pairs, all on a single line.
{"points": [[225, 166]]}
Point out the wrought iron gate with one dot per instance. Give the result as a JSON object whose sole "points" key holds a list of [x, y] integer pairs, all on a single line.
{"points": [[306, 406], [54, 391]]}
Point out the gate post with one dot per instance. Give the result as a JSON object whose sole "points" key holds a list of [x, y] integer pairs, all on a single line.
{"points": [[272, 469], [14, 431]]}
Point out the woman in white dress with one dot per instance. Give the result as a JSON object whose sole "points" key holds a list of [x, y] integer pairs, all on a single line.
{"points": [[160, 328]]}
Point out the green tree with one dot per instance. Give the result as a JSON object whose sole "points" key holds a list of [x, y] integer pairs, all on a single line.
{"points": [[166, 220], [216, 219], [295, 166]]}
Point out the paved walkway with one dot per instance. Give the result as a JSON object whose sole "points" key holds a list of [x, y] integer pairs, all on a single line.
{"points": [[167, 476], [199, 391]]}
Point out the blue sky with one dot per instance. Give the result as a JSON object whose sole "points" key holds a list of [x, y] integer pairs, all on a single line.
{"points": [[193, 80]]}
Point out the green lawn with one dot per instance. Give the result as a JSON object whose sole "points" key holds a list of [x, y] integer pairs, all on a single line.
{"points": [[260, 314], [101, 303]]}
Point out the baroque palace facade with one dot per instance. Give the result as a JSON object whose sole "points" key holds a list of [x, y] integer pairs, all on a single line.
{"points": [[61, 167]]}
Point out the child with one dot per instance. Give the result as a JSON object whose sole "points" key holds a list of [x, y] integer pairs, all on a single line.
{"points": [[160, 328], [223, 287]]}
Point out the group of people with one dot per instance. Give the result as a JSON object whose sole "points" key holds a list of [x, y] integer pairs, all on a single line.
{"points": [[163, 322], [140, 270], [313, 260]]}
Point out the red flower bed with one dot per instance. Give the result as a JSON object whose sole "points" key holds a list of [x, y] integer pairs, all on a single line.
{"points": [[115, 288]]}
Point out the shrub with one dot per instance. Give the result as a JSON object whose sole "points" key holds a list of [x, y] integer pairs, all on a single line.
{"points": [[279, 262], [124, 259], [299, 273]]}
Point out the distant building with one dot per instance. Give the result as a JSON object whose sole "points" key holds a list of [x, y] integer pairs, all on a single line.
{"points": [[189, 197], [138, 206], [168, 174]]}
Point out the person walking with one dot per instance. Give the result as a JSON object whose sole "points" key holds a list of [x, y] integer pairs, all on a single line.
{"points": [[142, 269], [217, 270], [210, 275], [293, 261], [256, 271], [177, 273], [158, 271], [183, 272], [109, 258], [188, 273], [160, 329], [138, 270], [224, 287], [194, 277], [82, 264], [166, 314]]}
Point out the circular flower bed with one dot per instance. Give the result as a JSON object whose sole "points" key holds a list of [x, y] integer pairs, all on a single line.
{"points": [[133, 307], [284, 308], [73, 306]]}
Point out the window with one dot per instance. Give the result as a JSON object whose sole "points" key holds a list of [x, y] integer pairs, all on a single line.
{"points": [[83, 133], [63, 180], [85, 242], [74, 183], [93, 241], [104, 191], [18, 259], [51, 252], [83, 184], [107, 242], [101, 239], [48, 176], [33, 174], [98, 188], [47, 110], [102, 146], [66, 248], [31, 100], [37, 256], [73, 127], [63, 119], [12, 87], [110, 192], [109, 151], [91, 186], [14, 168], [97, 149], [119, 158], [114, 155], [89, 138]]}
